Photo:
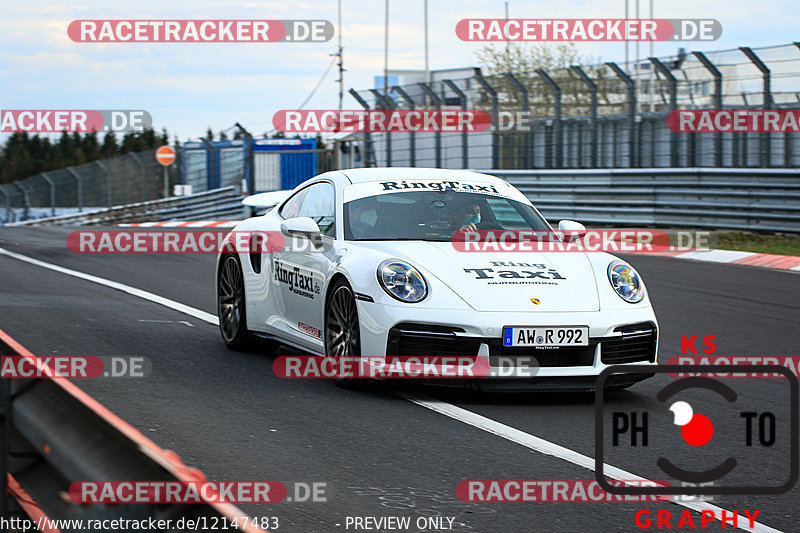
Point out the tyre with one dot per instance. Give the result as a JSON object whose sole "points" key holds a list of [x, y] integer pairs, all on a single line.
{"points": [[342, 328], [231, 308]]}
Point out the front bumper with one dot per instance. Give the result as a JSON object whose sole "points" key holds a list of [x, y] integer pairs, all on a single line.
{"points": [[616, 337]]}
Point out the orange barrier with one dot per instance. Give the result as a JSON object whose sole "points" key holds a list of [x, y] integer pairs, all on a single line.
{"points": [[166, 459]]}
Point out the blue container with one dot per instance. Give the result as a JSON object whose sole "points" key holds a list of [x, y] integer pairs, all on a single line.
{"points": [[277, 168]]}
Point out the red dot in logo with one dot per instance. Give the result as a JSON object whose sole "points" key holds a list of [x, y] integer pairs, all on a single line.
{"points": [[698, 431]]}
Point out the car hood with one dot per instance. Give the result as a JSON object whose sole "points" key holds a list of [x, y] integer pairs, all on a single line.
{"points": [[516, 281]]}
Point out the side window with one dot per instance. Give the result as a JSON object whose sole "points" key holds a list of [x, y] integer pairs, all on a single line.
{"points": [[319, 205], [506, 215], [292, 206]]}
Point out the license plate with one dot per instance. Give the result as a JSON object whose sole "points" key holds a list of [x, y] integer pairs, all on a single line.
{"points": [[545, 336]]}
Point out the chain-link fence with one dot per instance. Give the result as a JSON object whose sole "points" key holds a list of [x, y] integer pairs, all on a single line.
{"points": [[138, 177], [133, 177], [600, 116]]}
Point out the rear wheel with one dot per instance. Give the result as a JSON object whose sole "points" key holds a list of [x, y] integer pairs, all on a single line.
{"points": [[231, 305], [342, 331]]}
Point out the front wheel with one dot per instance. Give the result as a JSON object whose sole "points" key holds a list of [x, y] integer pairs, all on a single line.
{"points": [[342, 331]]}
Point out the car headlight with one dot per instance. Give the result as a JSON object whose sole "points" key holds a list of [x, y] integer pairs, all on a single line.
{"points": [[626, 281], [402, 281]]}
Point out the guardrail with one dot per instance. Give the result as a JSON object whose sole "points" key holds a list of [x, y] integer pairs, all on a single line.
{"points": [[738, 199], [220, 203], [54, 434]]}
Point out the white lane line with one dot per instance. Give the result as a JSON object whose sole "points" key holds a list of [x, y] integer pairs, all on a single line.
{"points": [[550, 448], [457, 413], [166, 302], [186, 322]]}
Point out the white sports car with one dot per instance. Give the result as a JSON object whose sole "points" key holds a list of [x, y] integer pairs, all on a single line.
{"points": [[373, 270]]}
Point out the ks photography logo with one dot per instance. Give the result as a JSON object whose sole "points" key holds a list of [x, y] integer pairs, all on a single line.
{"points": [[700, 432]]}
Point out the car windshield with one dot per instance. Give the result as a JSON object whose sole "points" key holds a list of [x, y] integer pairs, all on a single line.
{"points": [[434, 215]]}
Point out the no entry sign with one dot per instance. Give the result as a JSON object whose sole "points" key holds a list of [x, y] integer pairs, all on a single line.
{"points": [[165, 155]]}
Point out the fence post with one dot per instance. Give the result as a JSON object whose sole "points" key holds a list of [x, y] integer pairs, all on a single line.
{"points": [[438, 135], [8, 204], [52, 194], [766, 141], [526, 136], [26, 213], [144, 177], [464, 146], [673, 105], [412, 139], [108, 182], [717, 75], [250, 160], [80, 187], [559, 140], [621, 74], [369, 149], [593, 103], [495, 119], [385, 102]]}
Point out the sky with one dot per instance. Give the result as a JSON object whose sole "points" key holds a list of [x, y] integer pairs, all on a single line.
{"points": [[189, 87]]}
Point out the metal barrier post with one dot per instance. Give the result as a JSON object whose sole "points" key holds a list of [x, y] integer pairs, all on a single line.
{"points": [[8, 204], [26, 213], [673, 105], [369, 149], [766, 159], [144, 176], [715, 72], [593, 103], [249, 167], [495, 118], [412, 139], [80, 187], [526, 136], [385, 102], [464, 146], [108, 182], [52, 194], [559, 140], [621, 74], [437, 102]]}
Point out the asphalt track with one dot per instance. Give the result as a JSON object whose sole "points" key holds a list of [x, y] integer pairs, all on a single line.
{"points": [[378, 453]]}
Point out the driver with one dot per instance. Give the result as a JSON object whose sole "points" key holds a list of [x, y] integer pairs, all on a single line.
{"points": [[470, 216]]}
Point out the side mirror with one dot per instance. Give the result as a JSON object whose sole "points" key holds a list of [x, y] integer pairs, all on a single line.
{"points": [[571, 226], [302, 227]]}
